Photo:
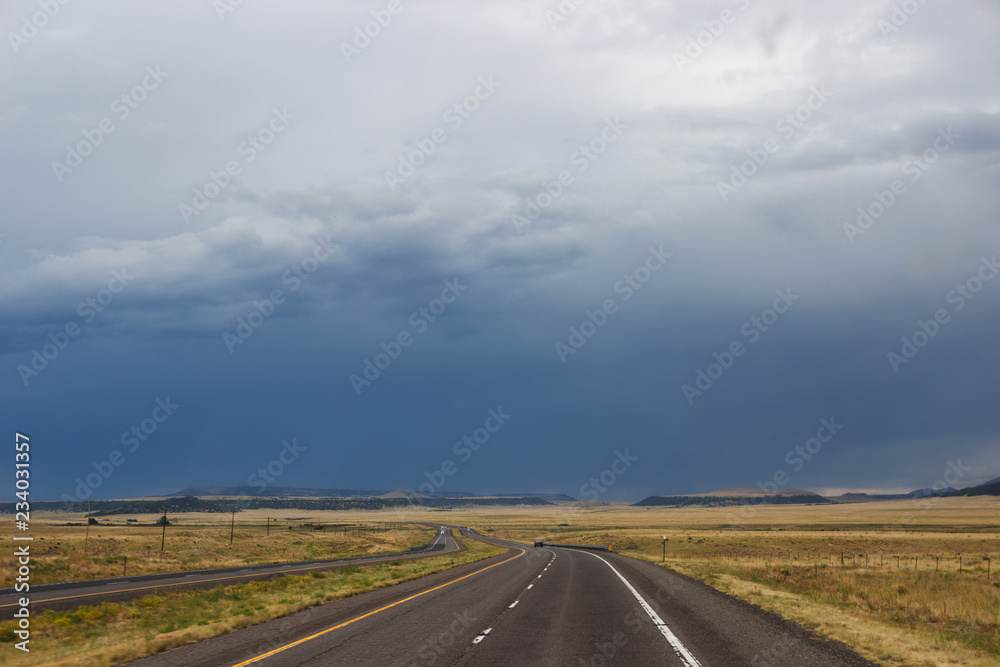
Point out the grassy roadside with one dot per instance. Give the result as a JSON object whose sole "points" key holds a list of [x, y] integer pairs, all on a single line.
{"points": [[891, 617], [113, 633], [70, 553], [934, 606]]}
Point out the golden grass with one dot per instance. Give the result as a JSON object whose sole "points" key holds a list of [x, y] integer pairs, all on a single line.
{"points": [[786, 558], [194, 541], [773, 556], [113, 633]]}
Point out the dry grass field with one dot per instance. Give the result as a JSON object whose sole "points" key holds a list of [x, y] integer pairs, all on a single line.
{"points": [[198, 541], [919, 610], [113, 633]]}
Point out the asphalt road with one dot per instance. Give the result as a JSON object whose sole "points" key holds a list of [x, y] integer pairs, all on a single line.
{"points": [[530, 606], [73, 594]]}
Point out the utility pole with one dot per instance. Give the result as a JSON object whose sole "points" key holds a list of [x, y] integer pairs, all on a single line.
{"points": [[664, 548], [232, 528], [163, 537], [268, 526], [86, 536]]}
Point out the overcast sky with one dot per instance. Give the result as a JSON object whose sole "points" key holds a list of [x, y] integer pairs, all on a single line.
{"points": [[232, 210]]}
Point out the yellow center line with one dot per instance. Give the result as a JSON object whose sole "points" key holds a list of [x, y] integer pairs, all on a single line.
{"points": [[201, 581], [372, 613]]}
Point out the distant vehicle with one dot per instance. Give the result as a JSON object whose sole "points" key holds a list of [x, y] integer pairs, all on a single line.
{"points": [[539, 543]]}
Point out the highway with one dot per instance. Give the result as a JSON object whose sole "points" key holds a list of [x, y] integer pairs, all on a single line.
{"points": [[530, 606], [72, 594]]}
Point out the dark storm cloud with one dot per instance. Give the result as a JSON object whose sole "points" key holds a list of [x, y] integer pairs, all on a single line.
{"points": [[480, 157]]}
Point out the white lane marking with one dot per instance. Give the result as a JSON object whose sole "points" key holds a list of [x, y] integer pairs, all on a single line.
{"points": [[512, 604], [530, 585], [436, 541], [481, 636], [679, 648]]}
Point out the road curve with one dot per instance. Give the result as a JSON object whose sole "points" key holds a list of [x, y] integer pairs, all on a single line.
{"points": [[73, 594], [531, 606]]}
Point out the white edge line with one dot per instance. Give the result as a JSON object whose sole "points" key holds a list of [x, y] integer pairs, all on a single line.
{"points": [[682, 652]]}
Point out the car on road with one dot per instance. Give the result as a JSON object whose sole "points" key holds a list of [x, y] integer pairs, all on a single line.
{"points": [[539, 543]]}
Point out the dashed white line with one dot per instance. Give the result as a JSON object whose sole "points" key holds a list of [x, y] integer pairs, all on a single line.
{"points": [[512, 604], [530, 585], [679, 648], [481, 636]]}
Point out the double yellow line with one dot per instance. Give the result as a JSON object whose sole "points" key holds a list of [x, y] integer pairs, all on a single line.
{"points": [[372, 613]]}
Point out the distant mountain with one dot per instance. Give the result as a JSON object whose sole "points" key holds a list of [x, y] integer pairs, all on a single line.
{"points": [[275, 492], [740, 496], [920, 493], [990, 488], [407, 493], [748, 492], [551, 497], [295, 492], [857, 497]]}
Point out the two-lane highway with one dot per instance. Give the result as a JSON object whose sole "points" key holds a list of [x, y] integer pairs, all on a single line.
{"points": [[72, 594], [532, 606], [601, 608]]}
